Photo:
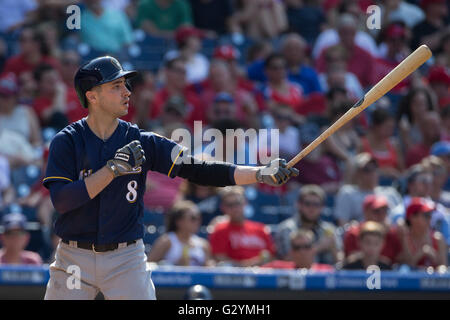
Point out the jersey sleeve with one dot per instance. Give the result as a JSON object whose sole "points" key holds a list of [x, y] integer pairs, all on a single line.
{"points": [[61, 161], [161, 154]]}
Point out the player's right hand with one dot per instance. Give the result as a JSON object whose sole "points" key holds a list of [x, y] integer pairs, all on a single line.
{"points": [[127, 159]]}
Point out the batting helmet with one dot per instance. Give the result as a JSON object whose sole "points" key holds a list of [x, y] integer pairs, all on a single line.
{"points": [[96, 72], [198, 292]]}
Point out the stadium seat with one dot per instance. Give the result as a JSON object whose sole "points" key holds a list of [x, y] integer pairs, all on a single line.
{"points": [[153, 217], [23, 178], [152, 233], [265, 208]]}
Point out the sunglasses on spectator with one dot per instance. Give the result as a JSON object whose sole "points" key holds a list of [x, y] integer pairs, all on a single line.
{"points": [[439, 172], [194, 218], [427, 215], [26, 39], [369, 168], [382, 210], [233, 204], [314, 204], [298, 247], [178, 70], [277, 66], [282, 117], [16, 232], [426, 179], [70, 62]]}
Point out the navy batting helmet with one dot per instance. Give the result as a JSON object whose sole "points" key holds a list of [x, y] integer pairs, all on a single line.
{"points": [[198, 292], [96, 72]]}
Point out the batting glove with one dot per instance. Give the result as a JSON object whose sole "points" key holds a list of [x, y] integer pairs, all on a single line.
{"points": [[276, 173], [127, 159]]}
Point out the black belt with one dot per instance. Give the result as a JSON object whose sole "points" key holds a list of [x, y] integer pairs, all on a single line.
{"points": [[98, 247]]}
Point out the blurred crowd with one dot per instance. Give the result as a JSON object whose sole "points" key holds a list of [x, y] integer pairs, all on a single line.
{"points": [[377, 192]]}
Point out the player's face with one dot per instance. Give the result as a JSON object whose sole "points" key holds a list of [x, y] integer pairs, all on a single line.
{"points": [[114, 97]]}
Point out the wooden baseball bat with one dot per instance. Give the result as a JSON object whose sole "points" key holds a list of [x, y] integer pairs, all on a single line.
{"points": [[404, 69]]}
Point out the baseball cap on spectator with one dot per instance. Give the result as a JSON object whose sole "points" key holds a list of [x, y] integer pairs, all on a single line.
{"points": [[425, 3], [8, 84], [441, 148], [438, 74], [374, 201], [14, 221], [226, 52], [418, 205], [395, 31], [184, 32], [223, 97]]}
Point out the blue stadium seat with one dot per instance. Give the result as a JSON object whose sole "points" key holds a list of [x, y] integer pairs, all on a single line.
{"points": [[208, 46], [155, 218], [24, 177], [152, 233], [12, 42], [265, 208]]}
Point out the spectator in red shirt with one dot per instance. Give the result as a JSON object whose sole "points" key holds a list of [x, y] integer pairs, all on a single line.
{"points": [[176, 85], [430, 128], [33, 52], [423, 247], [14, 239], [439, 79], [237, 240], [359, 61], [231, 55], [370, 240], [396, 44], [381, 144], [279, 90], [55, 104], [220, 80], [19, 125], [301, 254], [375, 208], [411, 109]]}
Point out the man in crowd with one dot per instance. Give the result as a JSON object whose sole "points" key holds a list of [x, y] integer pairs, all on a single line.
{"points": [[236, 240], [350, 197], [310, 203], [301, 255], [14, 239]]}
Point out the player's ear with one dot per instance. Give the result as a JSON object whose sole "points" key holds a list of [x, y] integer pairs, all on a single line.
{"points": [[92, 97]]}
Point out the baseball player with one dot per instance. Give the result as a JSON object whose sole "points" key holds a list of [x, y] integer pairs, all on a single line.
{"points": [[96, 176]]}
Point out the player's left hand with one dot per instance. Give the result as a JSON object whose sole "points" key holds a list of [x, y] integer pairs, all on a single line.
{"points": [[127, 159], [276, 173]]}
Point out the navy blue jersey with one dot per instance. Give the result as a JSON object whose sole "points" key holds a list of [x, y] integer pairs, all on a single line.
{"points": [[115, 214]]}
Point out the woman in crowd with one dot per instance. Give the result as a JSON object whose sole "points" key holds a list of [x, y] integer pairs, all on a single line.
{"points": [[410, 114], [423, 247], [381, 144], [180, 245]]}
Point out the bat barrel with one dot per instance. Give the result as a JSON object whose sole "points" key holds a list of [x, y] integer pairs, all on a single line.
{"points": [[403, 70]]}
